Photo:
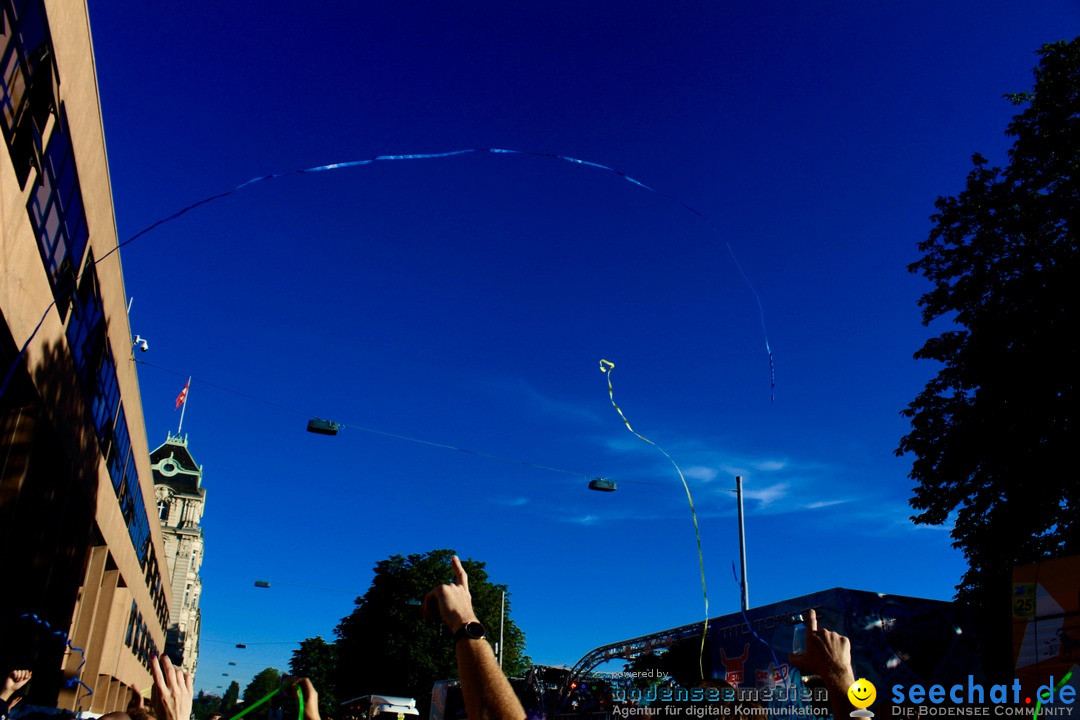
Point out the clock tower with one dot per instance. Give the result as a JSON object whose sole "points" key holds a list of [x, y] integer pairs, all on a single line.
{"points": [[180, 498]]}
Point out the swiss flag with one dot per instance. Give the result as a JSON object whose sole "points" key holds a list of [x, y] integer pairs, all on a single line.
{"points": [[182, 397]]}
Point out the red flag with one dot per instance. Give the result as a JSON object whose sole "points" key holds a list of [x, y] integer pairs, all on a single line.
{"points": [[182, 397]]}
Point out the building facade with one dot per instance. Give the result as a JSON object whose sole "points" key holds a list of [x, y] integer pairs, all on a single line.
{"points": [[84, 603], [180, 501]]}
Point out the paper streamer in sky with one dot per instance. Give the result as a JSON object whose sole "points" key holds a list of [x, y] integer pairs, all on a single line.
{"points": [[416, 156], [606, 366]]}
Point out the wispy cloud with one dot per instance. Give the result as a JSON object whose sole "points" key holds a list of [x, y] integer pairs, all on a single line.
{"points": [[767, 495], [817, 505], [511, 502], [700, 472], [546, 403]]}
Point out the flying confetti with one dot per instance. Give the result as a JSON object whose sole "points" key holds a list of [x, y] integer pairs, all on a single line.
{"points": [[64, 292], [606, 366]]}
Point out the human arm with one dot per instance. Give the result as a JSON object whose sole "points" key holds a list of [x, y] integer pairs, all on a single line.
{"points": [[306, 691], [13, 681], [486, 691], [173, 693], [827, 655]]}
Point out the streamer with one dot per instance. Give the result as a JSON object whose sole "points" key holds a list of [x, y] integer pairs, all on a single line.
{"points": [[606, 366], [71, 682], [415, 156]]}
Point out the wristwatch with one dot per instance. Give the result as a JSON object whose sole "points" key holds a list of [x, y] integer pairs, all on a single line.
{"points": [[470, 630]]}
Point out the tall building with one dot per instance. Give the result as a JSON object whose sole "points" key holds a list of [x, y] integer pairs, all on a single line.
{"points": [[180, 500], [83, 603]]}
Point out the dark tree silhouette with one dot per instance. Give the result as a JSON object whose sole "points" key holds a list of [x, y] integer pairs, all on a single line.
{"points": [[385, 647], [994, 433]]}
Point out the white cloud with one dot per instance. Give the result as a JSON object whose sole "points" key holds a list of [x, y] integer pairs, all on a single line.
{"points": [[767, 495], [700, 472], [823, 504], [770, 465]]}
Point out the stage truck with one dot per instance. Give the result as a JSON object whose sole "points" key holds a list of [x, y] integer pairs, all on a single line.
{"points": [[894, 639]]}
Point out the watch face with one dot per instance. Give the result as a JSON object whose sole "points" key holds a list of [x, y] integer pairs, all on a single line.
{"points": [[474, 630]]}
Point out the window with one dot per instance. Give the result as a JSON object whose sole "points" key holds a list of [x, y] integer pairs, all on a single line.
{"points": [[117, 457], [27, 79], [130, 635], [13, 76], [163, 511], [86, 328], [57, 215], [104, 398], [125, 479]]}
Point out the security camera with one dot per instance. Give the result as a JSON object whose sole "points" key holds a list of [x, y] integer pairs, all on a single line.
{"points": [[141, 343]]}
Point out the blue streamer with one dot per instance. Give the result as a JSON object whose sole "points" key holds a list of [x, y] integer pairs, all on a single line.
{"points": [[416, 156], [776, 661], [74, 681]]}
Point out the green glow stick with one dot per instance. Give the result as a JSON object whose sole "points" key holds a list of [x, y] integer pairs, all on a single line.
{"points": [[246, 710], [1038, 698]]}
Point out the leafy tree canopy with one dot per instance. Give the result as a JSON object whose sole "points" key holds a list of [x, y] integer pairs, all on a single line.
{"points": [[316, 660], [384, 646], [204, 705], [260, 685], [232, 694], [993, 433]]}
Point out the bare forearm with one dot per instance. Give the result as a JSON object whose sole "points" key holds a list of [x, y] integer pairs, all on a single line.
{"points": [[487, 692], [837, 686]]}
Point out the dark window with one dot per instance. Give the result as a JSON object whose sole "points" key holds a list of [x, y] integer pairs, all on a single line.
{"points": [[56, 213], [105, 398], [117, 456], [13, 75], [86, 328], [27, 81], [125, 479], [129, 637]]}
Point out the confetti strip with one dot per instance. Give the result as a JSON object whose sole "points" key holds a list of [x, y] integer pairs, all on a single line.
{"points": [[606, 366], [416, 156]]}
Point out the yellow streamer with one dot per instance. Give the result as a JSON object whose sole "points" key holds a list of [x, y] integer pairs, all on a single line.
{"points": [[606, 366]]}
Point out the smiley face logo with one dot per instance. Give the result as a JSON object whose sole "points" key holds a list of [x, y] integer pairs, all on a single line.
{"points": [[862, 693]]}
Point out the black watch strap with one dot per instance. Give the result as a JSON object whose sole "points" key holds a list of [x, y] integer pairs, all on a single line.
{"points": [[470, 630]]}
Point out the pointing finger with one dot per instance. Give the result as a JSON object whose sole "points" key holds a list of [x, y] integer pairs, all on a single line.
{"points": [[811, 620], [159, 679], [460, 576], [168, 672]]}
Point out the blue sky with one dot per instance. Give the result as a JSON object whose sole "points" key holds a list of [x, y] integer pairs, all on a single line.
{"points": [[468, 300]]}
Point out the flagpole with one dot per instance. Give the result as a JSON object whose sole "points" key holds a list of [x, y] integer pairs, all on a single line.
{"points": [[187, 389]]}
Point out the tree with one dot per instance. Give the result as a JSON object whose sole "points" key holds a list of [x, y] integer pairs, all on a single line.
{"points": [[994, 433], [232, 694], [203, 706], [681, 662], [260, 685], [384, 646], [316, 660]]}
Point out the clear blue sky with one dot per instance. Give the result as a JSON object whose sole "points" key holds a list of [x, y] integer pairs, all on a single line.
{"points": [[468, 300]]}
